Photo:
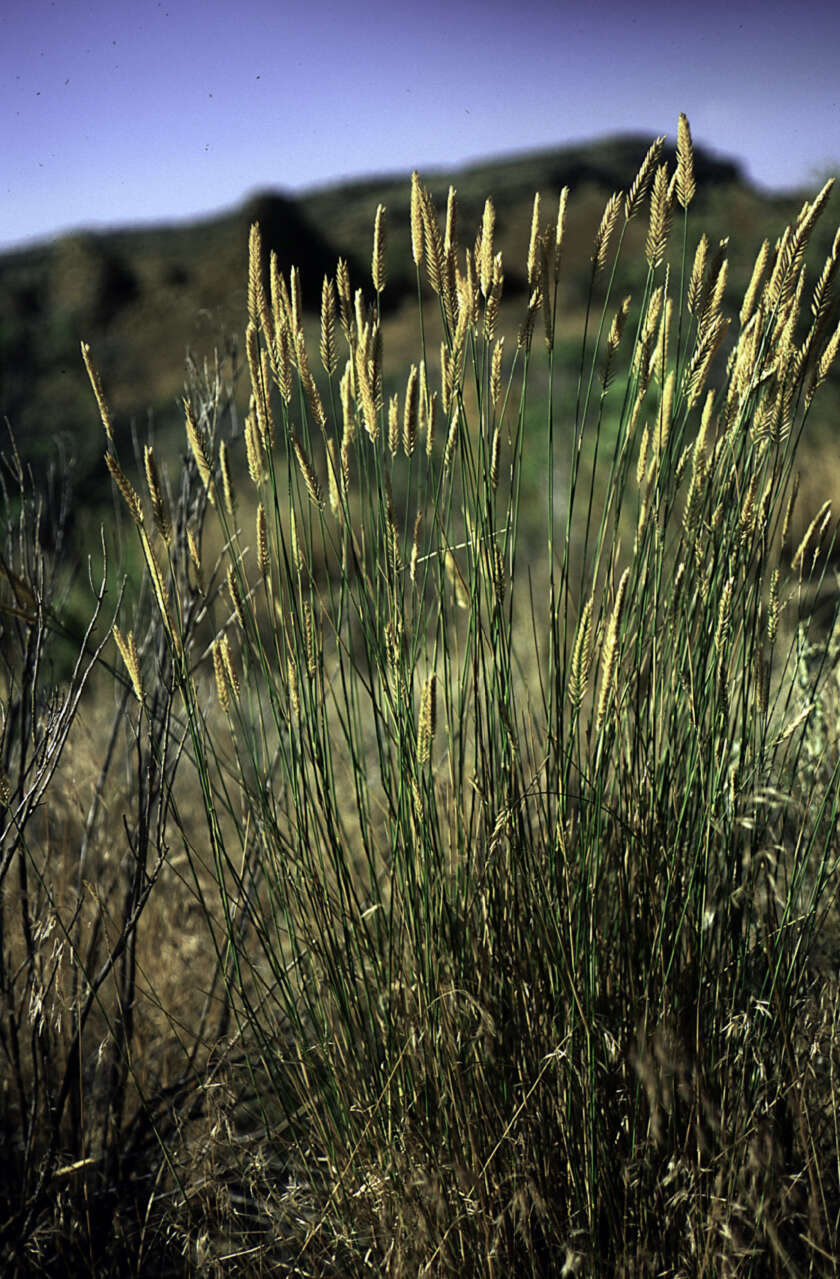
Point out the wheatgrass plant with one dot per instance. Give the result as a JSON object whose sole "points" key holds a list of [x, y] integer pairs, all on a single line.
{"points": [[523, 882]]}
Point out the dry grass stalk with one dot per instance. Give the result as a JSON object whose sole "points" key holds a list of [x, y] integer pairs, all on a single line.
{"points": [[791, 253], [642, 460], [346, 445], [378, 259], [258, 386], [447, 374], [427, 721], [253, 451], [310, 479], [267, 427], [747, 517], [459, 339], [603, 235], [451, 439], [295, 301], [685, 163], [491, 309], [161, 593], [659, 227], [694, 293], [791, 728], [826, 361], [486, 257], [227, 484], [345, 389], [227, 662], [560, 229], [663, 421], [526, 329], [499, 575], [160, 506], [816, 527], [472, 293], [310, 390], [263, 558], [342, 285], [128, 652], [652, 315], [394, 552], [375, 360], [724, 618], [494, 458], [759, 267], [791, 503], [699, 472], [745, 355], [422, 393], [281, 362], [416, 218], [297, 552], [309, 639], [773, 609], [333, 478], [433, 253], [633, 420], [717, 293], [581, 657], [639, 186], [431, 421], [610, 652], [99, 394], [415, 547], [410, 412], [193, 551], [227, 682], [617, 327], [236, 596], [258, 308], [456, 578], [286, 304], [710, 294], [659, 356], [328, 349], [533, 243], [823, 290], [222, 689], [644, 506], [614, 339], [199, 451], [279, 294], [705, 351], [450, 234], [129, 493], [642, 362], [364, 386], [496, 373]]}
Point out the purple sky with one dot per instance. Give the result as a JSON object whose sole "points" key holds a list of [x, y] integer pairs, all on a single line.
{"points": [[121, 111]]}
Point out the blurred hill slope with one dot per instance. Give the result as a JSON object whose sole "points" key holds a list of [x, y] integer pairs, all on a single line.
{"points": [[141, 297]]}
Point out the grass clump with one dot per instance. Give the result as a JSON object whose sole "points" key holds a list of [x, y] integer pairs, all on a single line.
{"points": [[513, 822]]}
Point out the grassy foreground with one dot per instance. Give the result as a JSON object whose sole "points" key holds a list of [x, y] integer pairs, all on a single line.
{"points": [[456, 888]]}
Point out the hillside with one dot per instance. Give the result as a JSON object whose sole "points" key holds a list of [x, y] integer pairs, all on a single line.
{"points": [[141, 297]]}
